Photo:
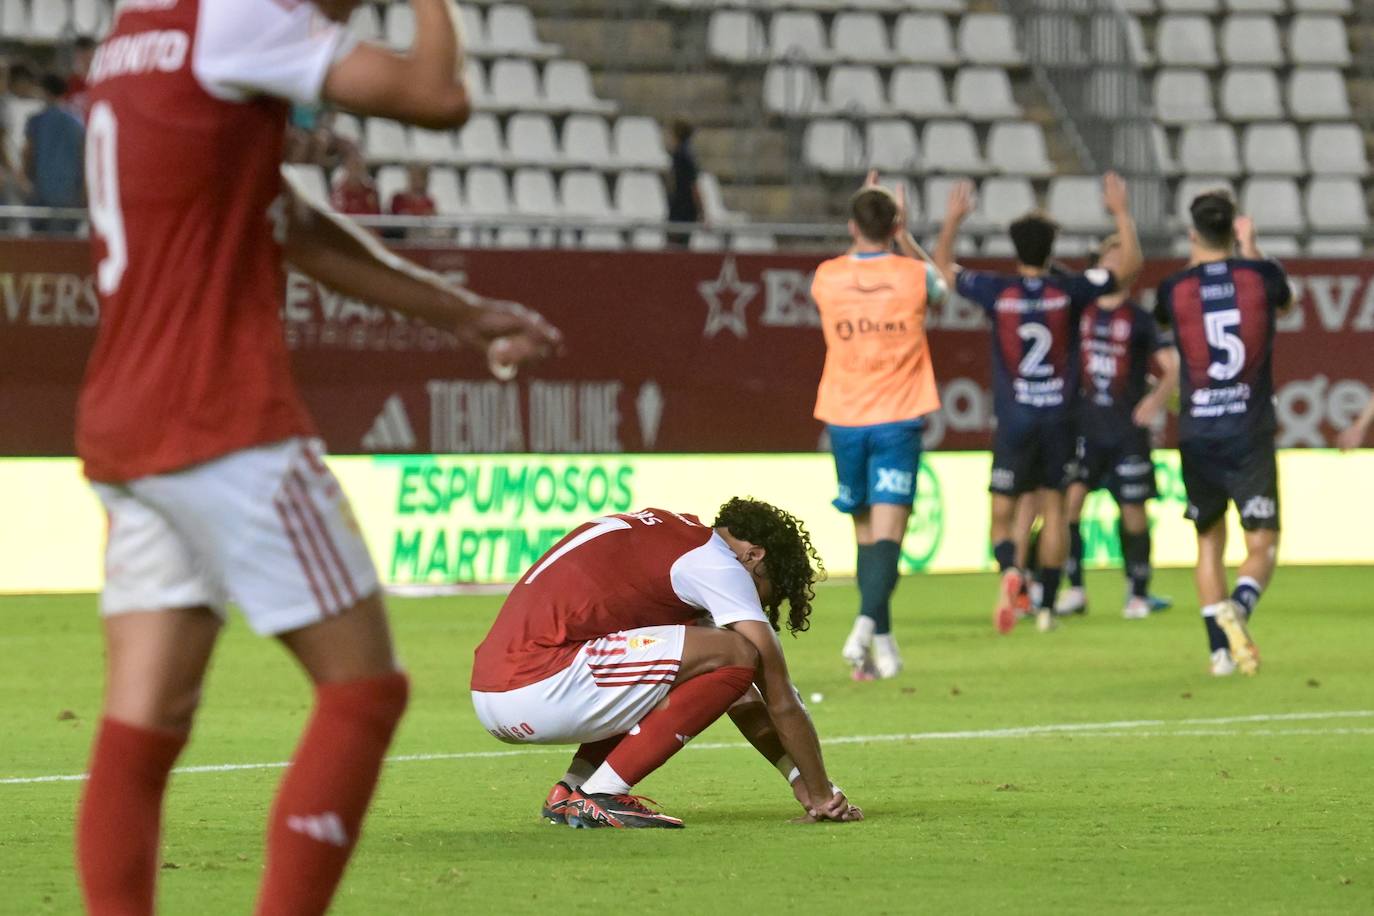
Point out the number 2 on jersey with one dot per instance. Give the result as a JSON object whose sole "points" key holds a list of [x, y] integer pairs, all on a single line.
{"points": [[1040, 338], [102, 189]]}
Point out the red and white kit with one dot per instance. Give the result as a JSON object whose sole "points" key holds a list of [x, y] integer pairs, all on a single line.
{"points": [[590, 640], [189, 422]]}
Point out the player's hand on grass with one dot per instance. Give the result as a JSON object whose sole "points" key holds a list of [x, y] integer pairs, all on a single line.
{"points": [[1114, 196], [960, 203]]}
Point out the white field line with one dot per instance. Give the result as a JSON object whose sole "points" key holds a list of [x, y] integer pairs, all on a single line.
{"points": [[1129, 728]]}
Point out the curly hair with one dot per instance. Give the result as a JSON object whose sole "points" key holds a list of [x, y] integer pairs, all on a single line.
{"points": [[792, 563]]}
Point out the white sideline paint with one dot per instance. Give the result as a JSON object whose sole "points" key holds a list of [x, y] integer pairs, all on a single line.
{"points": [[1129, 728]]}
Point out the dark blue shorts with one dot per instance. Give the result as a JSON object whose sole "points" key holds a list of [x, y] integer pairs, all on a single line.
{"points": [[1033, 455], [1124, 467], [876, 464]]}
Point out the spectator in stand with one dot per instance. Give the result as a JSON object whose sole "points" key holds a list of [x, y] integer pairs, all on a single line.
{"points": [[54, 141], [415, 199], [684, 200], [83, 52], [354, 193]]}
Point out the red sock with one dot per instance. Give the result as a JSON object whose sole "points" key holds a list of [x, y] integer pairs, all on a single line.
{"points": [[120, 820], [691, 707], [320, 806]]}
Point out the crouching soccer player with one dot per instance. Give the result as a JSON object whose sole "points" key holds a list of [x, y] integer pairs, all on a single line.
{"points": [[597, 646], [1223, 309]]}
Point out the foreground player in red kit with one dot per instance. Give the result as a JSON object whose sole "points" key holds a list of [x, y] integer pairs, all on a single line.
{"points": [[191, 428], [637, 631]]}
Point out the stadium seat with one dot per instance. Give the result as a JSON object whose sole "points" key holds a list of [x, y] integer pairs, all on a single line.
{"points": [[638, 143], [568, 87], [480, 140], [533, 193], [989, 38], [584, 195], [1251, 94], [432, 145], [1139, 7], [713, 208], [952, 147], [510, 30], [475, 75], [919, 92], [1115, 39], [1190, 6], [486, 191], [530, 139], [860, 37], [1191, 187], [399, 25], [855, 88], [92, 18], [1318, 95], [445, 189], [1075, 201], [1186, 41], [1274, 204], [1003, 200], [1252, 41], [1337, 204], [891, 145], [640, 196], [1183, 96], [938, 6], [1018, 148], [1256, 6], [366, 23], [936, 196], [798, 36], [736, 36], [390, 180], [753, 241], [514, 237], [385, 141], [1340, 7], [833, 147], [348, 127], [792, 89], [984, 94], [603, 240], [706, 241], [1164, 157], [997, 245], [925, 38], [586, 140], [515, 85], [1209, 149], [1273, 149], [475, 32], [14, 19], [1337, 149], [1318, 41], [1279, 246], [1335, 246], [47, 19], [311, 179]]}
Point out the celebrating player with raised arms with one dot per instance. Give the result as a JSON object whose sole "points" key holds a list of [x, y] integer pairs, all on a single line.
{"points": [[1117, 341], [1035, 314], [637, 631], [192, 430], [1222, 309]]}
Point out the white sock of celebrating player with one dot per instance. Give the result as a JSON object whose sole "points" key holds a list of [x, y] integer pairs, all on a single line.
{"points": [[605, 781]]}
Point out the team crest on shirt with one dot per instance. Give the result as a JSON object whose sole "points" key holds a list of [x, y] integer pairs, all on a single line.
{"points": [[642, 642]]}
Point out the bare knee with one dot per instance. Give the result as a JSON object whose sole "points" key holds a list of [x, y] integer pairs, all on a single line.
{"points": [[167, 710]]}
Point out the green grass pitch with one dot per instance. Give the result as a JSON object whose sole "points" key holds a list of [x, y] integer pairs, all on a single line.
{"points": [[1182, 794]]}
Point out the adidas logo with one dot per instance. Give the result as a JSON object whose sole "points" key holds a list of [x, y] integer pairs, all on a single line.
{"points": [[327, 827], [391, 431]]}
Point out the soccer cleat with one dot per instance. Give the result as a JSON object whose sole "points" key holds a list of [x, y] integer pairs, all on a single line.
{"points": [[605, 810], [554, 810], [1136, 608], [856, 647], [1072, 600], [1044, 620], [1160, 603], [1035, 593], [1011, 601], [1244, 652], [1222, 666], [864, 672], [887, 661]]}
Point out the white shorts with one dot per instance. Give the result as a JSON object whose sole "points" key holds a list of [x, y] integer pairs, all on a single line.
{"points": [[612, 684], [268, 528]]}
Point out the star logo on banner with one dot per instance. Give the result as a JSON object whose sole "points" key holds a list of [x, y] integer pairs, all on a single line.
{"points": [[727, 296]]}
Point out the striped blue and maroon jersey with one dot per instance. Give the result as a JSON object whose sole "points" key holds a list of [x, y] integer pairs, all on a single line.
{"points": [[1222, 314], [1034, 336], [1116, 345]]}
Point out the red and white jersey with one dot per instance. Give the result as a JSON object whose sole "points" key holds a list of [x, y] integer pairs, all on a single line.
{"points": [[188, 108], [620, 572]]}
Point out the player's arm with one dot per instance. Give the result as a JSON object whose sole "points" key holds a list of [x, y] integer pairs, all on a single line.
{"points": [[340, 254], [1118, 204], [1154, 403], [958, 208], [1353, 435], [795, 731], [1247, 241]]}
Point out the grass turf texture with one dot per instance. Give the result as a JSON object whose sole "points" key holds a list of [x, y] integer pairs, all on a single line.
{"points": [[1254, 817]]}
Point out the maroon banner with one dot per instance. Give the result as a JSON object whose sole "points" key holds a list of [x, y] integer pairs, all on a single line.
{"points": [[666, 352]]}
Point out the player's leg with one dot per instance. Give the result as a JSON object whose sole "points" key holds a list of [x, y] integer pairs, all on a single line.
{"points": [[1009, 482], [1252, 481], [1207, 502], [1073, 600], [1053, 548], [1133, 484], [155, 663], [849, 447], [588, 756]]}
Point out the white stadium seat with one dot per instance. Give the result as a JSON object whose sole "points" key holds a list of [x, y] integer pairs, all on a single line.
{"points": [[584, 195], [1186, 41], [736, 36], [603, 240], [1340, 7], [1319, 41], [860, 37], [713, 208], [586, 140], [14, 19], [475, 32], [925, 38], [920, 92], [1209, 149], [855, 88], [640, 196], [510, 30], [1274, 204], [1075, 201], [568, 87], [984, 94], [1191, 187], [797, 35], [753, 241], [1018, 148], [47, 19], [530, 139], [639, 143], [989, 38], [348, 127], [533, 193], [792, 89], [1337, 204], [92, 18], [480, 140], [936, 195], [1251, 94], [1279, 246], [892, 145], [1273, 149], [475, 75], [514, 84], [399, 25], [1335, 246], [432, 145], [833, 147], [1182, 96], [1190, 6], [1004, 199], [486, 192], [366, 23], [1337, 149], [446, 191], [1256, 6], [1318, 95], [390, 180], [1252, 41], [385, 141], [952, 147]]}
